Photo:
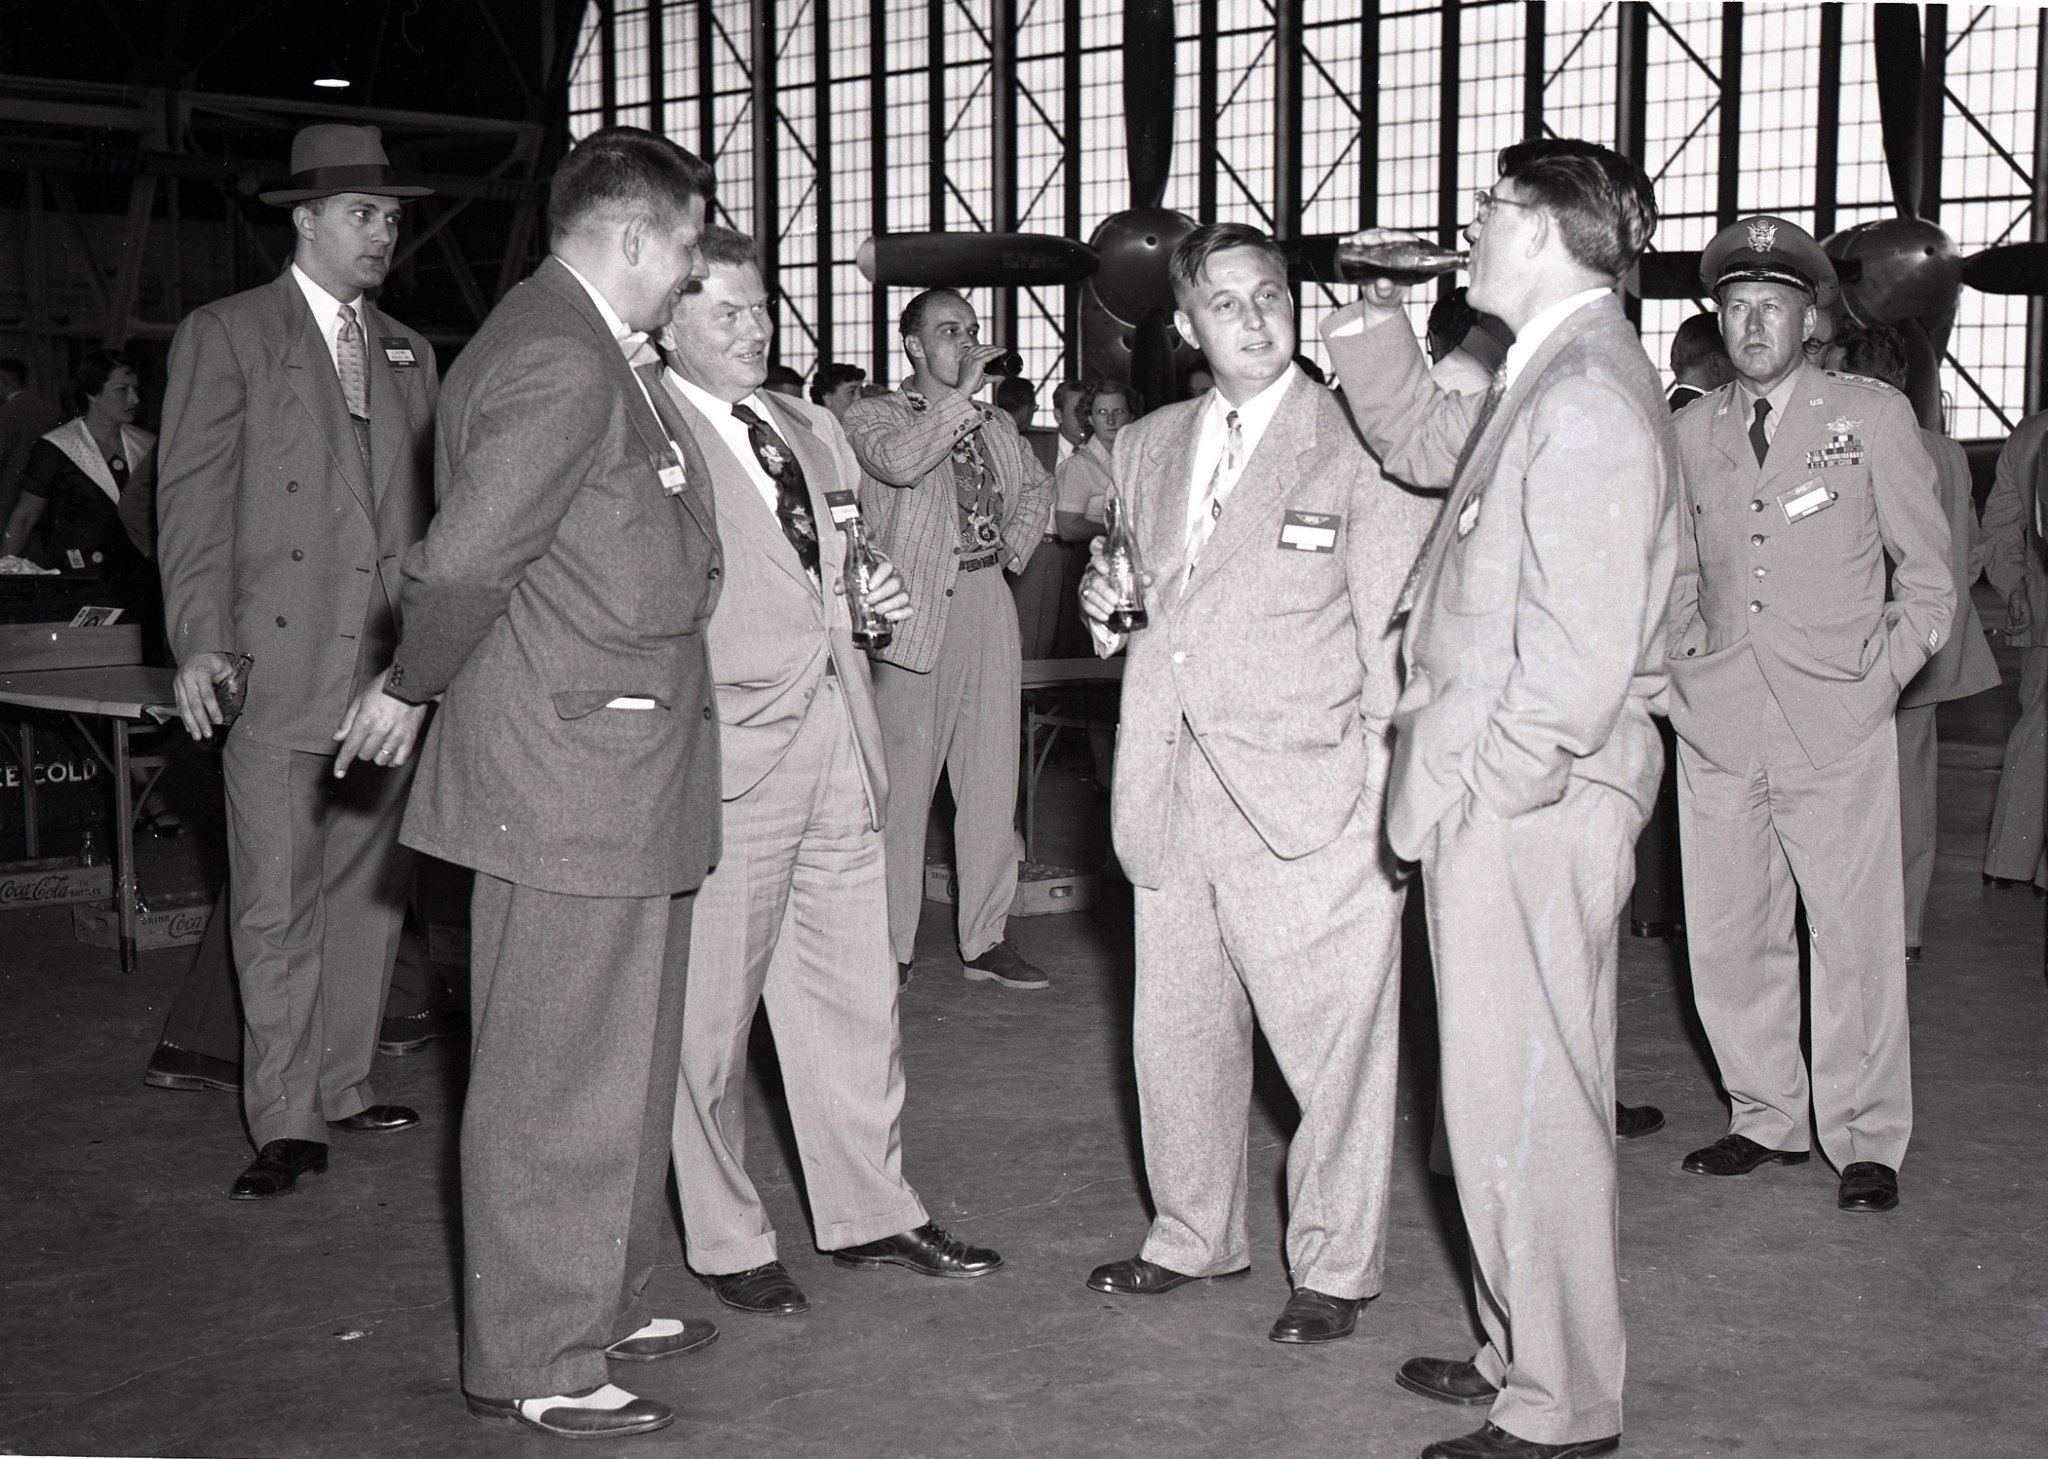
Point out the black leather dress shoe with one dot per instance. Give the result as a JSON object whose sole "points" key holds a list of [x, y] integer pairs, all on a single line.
{"points": [[1447, 1380], [1634, 1120], [173, 1068], [277, 1168], [1868, 1186], [649, 1348], [378, 1119], [410, 1032], [1312, 1316], [765, 1289], [1495, 1442], [1738, 1155], [927, 1249], [641, 1416], [1137, 1277]]}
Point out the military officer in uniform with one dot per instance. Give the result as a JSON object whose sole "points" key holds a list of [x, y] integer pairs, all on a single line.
{"points": [[1787, 656]]}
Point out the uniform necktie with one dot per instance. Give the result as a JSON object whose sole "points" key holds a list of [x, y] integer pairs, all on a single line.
{"points": [[1757, 439], [1228, 465], [792, 501], [351, 364], [1487, 407]]}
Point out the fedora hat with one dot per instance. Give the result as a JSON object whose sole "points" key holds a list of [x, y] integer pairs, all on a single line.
{"points": [[331, 158]]}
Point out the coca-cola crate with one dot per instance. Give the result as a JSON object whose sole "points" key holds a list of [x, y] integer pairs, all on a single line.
{"points": [[170, 922], [52, 881], [1041, 890]]}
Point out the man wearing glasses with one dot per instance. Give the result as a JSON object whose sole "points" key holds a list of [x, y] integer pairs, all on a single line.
{"points": [[1525, 761]]}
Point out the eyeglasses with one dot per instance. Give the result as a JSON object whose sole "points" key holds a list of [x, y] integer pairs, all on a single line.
{"points": [[1484, 201]]}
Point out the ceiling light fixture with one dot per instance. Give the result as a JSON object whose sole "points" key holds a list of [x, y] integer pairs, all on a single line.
{"points": [[332, 83]]}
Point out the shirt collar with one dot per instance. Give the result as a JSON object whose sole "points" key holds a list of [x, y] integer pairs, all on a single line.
{"points": [[1257, 413], [324, 305], [713, 407], [1531, 336], [628, 338], [1779, 395]]}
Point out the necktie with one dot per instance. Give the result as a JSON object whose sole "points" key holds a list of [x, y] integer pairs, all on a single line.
{"points": [[1203, 524], [352, 366], [1757, 439], [1487, 407], [792, 502]]}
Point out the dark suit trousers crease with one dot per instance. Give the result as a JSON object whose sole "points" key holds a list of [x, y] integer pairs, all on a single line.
{"points": [[576, 1004], [1038, 598], [316, 889], [1311, 948], [1524, 925]]}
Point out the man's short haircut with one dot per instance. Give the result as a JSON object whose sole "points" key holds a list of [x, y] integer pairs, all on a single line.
{"points": [[1878, 352], [624, 170], [1014, 393], [726, 248], [1094, 390], [16, 371], [914, 312], [1697, 341], [96, 369], [1191, 257], [1065, 391], [1603, 205], [783, 377], [1450, 320], [833, 377]]}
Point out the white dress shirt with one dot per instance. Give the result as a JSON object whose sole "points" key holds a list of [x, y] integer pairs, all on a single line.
{"points": [[1530, 337], [1252, 419], [733, 431]]}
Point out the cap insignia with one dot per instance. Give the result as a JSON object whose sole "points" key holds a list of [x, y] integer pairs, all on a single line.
{"points": [[1763, 237]]}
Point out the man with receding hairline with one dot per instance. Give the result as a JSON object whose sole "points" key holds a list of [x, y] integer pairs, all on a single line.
{"points": [[558, 606]]}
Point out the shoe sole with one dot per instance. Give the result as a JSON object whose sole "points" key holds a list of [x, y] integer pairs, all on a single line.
{"points": [[1173, 1286], [512, 1418], [875, 1263], [187, 1083], [1638, 1134], [1780, 1157], [1868, 1208], [1303, 1340], [725, 1301], [983, 975], [698, 1346], [1440, 1396], [320, 1169]]}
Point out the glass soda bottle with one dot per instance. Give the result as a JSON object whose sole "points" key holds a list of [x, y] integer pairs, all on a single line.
{"points": [[870, 629], [1123, 567], [1404, 260]]}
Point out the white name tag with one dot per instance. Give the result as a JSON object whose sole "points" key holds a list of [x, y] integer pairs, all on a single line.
{"points": [[1802, 502], [671, 478], [1310, 531], [398, 353], [630, 701], [845, 508]]}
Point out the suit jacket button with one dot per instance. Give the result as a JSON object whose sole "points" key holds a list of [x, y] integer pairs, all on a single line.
{"points": [[1690, 652], [707, 711], [714, 574], [1180, 656], [1755, 607], [1756, 506], [291, 486], [1761, 571], [1756, 539], [949, 592], [280, 623], [298, 556]]}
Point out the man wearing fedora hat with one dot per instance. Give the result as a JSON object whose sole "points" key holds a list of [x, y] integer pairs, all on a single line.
{"points": [[1788, 645], [294, 472]]}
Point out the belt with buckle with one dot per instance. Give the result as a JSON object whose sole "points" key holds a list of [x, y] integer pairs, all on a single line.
{"points": [[976, 564]]}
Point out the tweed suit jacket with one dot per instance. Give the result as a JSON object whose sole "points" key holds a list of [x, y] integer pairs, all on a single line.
{"points": [[1532, 647], [560, 574], [907, 496], [1278, 663], [271, 538], [774, 629], [2015, 553], [1963, 665], [1806, 598]]}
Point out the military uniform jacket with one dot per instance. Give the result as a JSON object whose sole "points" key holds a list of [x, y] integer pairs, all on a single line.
{"points": [[272, 539], [1276, 657], [562, 572], [913, 517], [1785, 563]]}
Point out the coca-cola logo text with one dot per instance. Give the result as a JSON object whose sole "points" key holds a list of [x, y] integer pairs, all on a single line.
{"points": [[56, 887]]}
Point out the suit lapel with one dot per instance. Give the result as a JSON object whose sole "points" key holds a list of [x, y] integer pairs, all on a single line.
{"points": [[309, 370], [818, 470], [746, 516], [1271, 473], [390, 417], [1162, 508]]}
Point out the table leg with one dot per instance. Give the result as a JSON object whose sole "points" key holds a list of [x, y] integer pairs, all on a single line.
{"points": [[124, 848]]}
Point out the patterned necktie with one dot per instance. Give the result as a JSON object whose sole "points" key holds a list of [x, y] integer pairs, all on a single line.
{"points": [[1413, 585], [1203, 524], [792, 502], [352, 365], [1757, 439]]}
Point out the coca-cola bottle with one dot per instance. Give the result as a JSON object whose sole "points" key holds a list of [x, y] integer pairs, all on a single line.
{"points": [[1404, 260], [1122, 567], [870, 629]]}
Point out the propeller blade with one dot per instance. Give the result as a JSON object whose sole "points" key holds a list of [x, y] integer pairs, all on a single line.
{"points": [[1149, 47], [1895, 40], [1153, 369], [973, 260], [2010, 268]]}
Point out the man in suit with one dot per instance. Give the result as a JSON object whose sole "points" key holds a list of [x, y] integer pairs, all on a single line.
{"points": [[1246, 809], [1962, 666], [25, 418], [558, 606], [1525, 761], [796, 913], [952, 494], [1787, 655], [1699, 360], [2016, 563], [292, 476]]}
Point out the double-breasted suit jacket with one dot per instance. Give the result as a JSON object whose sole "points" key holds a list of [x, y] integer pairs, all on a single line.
{"points": [[1246, 812], [273, 539]]}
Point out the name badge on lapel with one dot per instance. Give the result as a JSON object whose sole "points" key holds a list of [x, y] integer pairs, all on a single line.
{"points": [[671, 473], [1468, 518], [1800, 502], [398, 352], [845, 509], [1310, 531]]}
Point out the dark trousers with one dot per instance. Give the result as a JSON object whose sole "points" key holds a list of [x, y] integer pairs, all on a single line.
{"points": [[1657, 904]]}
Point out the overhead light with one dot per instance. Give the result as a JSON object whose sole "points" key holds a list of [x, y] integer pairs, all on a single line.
{"points": [[332, 83]]}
